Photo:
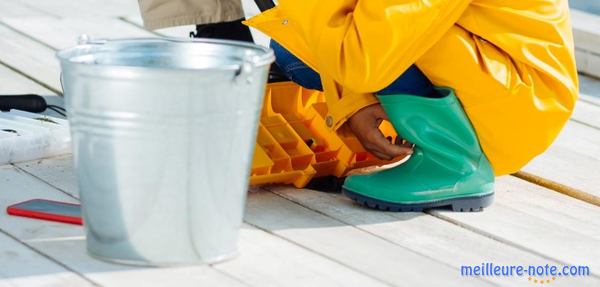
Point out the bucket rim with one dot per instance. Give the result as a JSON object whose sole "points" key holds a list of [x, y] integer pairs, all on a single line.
{"points": [[266, 55]]}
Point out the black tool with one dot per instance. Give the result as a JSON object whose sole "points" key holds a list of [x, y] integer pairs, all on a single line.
{"points": [[29, 103], [264, 5]]}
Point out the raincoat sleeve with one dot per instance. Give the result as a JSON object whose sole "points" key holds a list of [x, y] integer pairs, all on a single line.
{"points": [[340, 109], [364, 45]]}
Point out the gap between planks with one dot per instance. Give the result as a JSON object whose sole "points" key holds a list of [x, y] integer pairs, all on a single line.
{"points": [[591, 233], [539, 180], [344, 206], [329, 241], [44, 181], [45, 256], [313, 268], [29, 59], [33, 79], [460, 251], [23, 266], [256, 212], [70, 251]]}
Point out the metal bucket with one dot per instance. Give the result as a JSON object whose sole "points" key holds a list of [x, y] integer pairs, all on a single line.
{"points": [[163, 133]]}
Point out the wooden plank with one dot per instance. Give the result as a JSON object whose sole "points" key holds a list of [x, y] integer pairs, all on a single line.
{"points": [[532, 202], [422, 233], [359, 251], [586, 30], [587, 109], [38, 61], [586, 33], [13, 83], [262, 207], [30, 58], [588, 62], [564, 212], [349, 245], [17, 187], [72, 252], [585, 5], [23, 267], [572, 160], [83, 8], [63, 33], [264, 259], [66, 243], [9, 8], [58, 172], [587, 113], [595, 100], [538, 220], [543, 199], [589, 88]]}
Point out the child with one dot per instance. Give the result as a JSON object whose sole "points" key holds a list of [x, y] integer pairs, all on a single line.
{"points": [[510, 69]]}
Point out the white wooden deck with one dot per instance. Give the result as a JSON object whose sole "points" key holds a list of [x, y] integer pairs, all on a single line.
{"points": [[297, 237]]}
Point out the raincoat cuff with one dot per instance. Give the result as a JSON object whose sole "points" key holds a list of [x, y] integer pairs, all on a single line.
{"points": [[347, 106]]}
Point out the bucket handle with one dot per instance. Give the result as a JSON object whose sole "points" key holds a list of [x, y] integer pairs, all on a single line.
{"points": [[85, 39], [246, 69]]}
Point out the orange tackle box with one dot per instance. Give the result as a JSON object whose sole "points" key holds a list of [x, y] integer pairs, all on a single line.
{"points": [[294, 144]]}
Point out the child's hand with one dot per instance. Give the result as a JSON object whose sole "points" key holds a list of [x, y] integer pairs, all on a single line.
{"points": [[365, 125]]}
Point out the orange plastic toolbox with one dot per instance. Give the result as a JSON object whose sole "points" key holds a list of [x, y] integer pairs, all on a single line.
{"points": [[294, 144]]}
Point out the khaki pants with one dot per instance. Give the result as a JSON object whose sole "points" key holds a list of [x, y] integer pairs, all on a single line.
{"points": [[167, 13]]}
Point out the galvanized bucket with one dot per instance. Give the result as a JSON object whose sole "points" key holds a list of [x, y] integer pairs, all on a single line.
{"points": [[163, 133]]}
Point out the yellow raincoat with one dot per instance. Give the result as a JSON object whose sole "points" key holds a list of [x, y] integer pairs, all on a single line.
{"points": [[510, 62]]}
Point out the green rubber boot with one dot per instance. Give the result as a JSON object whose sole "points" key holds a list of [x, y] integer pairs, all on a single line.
{"points": [[447, 167]]}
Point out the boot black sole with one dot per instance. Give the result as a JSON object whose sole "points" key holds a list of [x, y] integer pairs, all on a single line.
{"points": [[464, 204]]}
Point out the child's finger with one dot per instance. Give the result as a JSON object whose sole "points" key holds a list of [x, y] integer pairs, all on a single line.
{"points": [[380, 155], [383, 146], [369, 142], [402, 142]]}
